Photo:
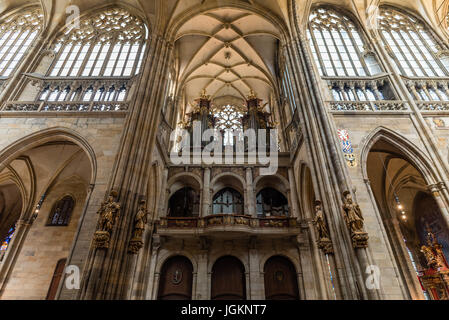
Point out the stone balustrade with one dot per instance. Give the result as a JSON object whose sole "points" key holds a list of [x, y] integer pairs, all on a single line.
{"points": [[64, 106], [371, 106], [228, 222]]}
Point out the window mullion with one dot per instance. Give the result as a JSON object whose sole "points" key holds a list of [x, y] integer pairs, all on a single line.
{"points": [[318, 53], [8, 50], [66, 59], [75, 59], [436, 59], [86, 58], [328, 52], [117, 58], [106, 59], [347, 52], [402, 53], [407, 45]]}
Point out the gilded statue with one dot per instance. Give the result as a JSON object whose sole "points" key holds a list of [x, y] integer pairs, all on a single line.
{"points": [[109, 213]]}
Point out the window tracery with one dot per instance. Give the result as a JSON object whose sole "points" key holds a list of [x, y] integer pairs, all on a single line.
{"points": [[228, 121], [17, 34], [338, 47], [416, 51], [109, 45]]}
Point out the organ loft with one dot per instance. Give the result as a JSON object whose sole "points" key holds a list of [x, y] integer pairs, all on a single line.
{"points": [[224, 150]]}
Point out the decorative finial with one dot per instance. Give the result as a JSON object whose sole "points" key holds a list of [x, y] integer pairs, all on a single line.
{"points": [[204, 94], [252, 95]]}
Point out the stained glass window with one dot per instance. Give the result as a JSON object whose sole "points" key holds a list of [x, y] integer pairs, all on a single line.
{"points": [[5, 243], [338, 47], [61, 212], [415, 49], [109, 44], [229, 122], [228, 201], [17, 34]]}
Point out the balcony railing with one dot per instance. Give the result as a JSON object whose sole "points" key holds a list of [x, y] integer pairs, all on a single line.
{"points": [[64, 106], [69, 94], [371, 106], [228, 222], [433, 105], [361, 88]]}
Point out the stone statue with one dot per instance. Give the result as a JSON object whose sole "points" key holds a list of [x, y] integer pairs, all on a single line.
{"points": [[320, 221], [140, 222], [109, 213], [353, 214], [324, 242], [354, 221]]}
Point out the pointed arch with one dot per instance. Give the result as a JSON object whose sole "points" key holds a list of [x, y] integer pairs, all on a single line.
{"points": [[412, 153], [36, 139]]}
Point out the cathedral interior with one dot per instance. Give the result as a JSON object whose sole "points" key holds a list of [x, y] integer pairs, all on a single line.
{"points": [[98, 98]]}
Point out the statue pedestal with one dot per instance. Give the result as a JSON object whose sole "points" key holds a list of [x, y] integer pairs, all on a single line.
{"points": [[101, 239], [359, 240], [135, 245], [325, 244]]}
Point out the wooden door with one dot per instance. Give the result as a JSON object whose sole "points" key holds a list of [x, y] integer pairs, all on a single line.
{"points": [[228, 279], [57, 276], [176, 278], [281, 281]]}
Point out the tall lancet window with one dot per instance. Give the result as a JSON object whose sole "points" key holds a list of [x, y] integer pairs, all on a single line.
{"points": [[108, 44], [415, 49], [342, 53], [17, 34], [338, 47]]}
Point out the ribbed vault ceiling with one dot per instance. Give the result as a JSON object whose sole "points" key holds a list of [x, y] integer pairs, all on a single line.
{"points": [[228, 53]]}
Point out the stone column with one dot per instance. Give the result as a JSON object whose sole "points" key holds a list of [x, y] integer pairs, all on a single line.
{"points": [[255, 277], [293, 194], [206, 193], [202, 277], [165, 192], [132, 171], [250, 196]]}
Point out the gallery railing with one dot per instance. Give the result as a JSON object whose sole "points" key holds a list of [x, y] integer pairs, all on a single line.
{"points": [[227, 220]]}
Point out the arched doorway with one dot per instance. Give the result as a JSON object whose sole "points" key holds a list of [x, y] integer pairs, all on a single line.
{"points": [[228, 279], [176, 279], [411, 215], [281, 281]]}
